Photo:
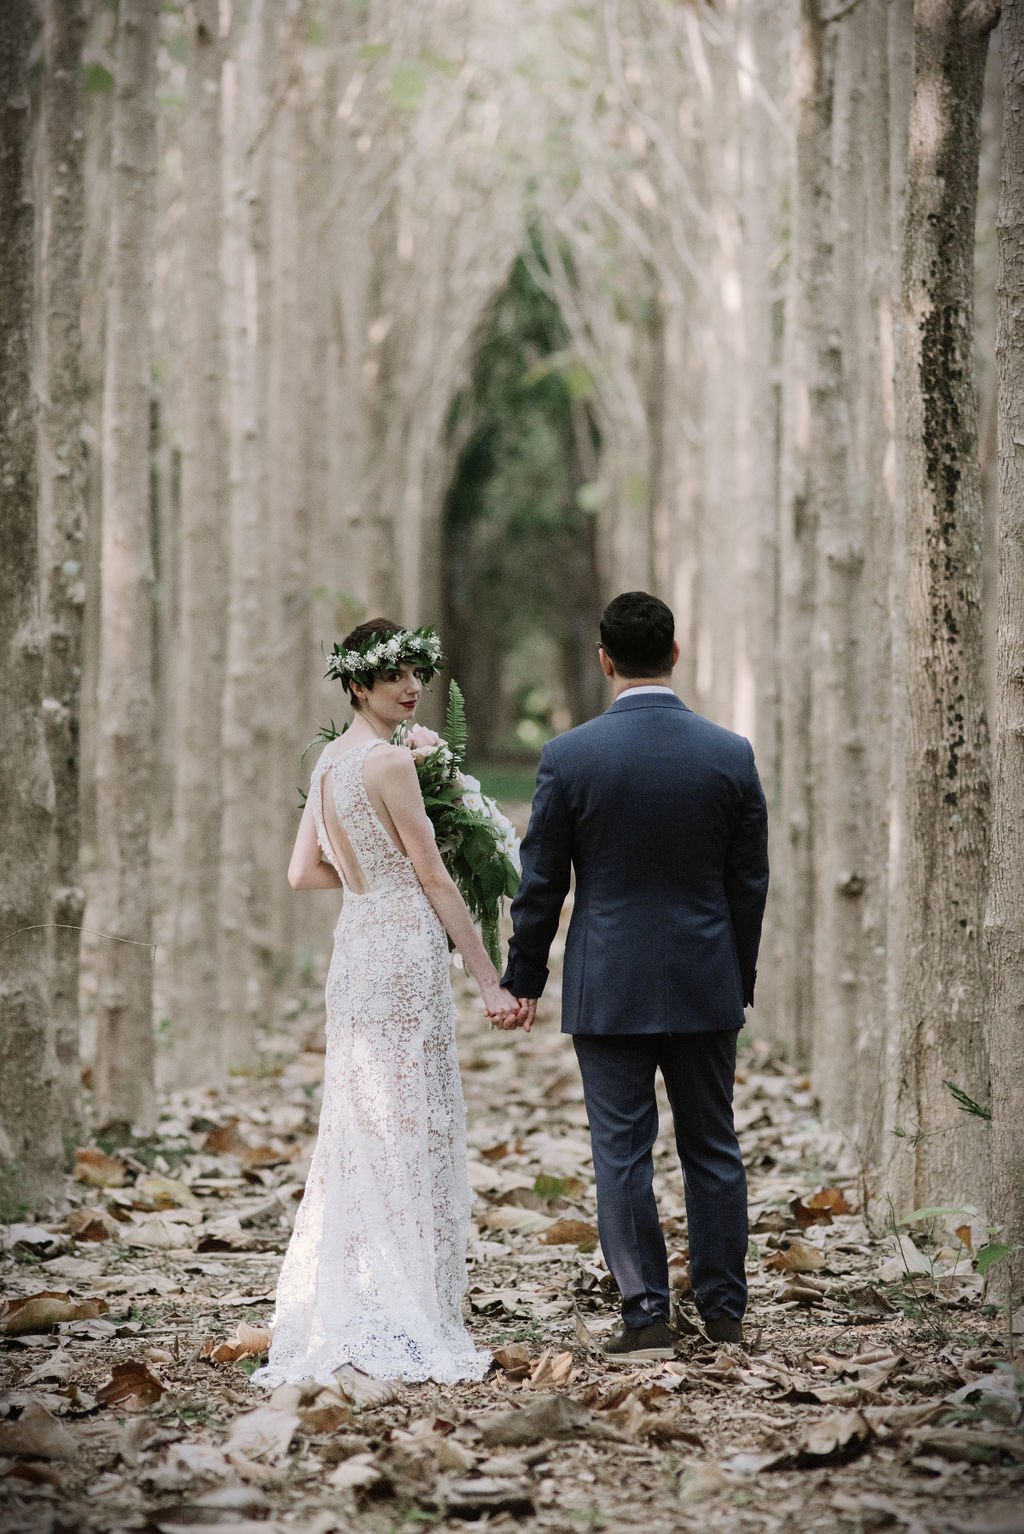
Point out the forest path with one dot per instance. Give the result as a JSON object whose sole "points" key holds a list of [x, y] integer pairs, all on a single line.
{"points": [[861, 1400]]}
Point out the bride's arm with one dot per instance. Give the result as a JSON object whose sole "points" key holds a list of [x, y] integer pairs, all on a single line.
{"points": [[306, 867], [399, 788]]}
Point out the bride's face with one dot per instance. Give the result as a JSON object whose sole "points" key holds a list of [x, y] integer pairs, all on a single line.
{"points": [[392, 700]]}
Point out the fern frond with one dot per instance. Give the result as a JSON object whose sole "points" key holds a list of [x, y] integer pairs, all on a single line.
{"points": [[455, 722]]}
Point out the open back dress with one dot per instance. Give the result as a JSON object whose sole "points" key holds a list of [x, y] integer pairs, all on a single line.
{"points": [[375, 1271]]}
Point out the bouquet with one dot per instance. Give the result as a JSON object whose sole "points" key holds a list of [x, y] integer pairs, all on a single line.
{"points": [[478, 845]]}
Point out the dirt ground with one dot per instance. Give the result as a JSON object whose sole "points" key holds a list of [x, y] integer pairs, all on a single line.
{"points": [[874, 1390]]}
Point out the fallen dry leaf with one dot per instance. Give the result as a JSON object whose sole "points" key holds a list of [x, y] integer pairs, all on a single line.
{"points": [[795, 1256], [42, 1312], [961, 1443], [358, 1470], [514, 1359], [363, 1390], [35, 1474], [226, 1235], [325, 1419], [842, 1433], [161, 1234], [90, 1225], [248, 1342], [570, 1233], [700, 1485], [97, 1170], [132, 1386], [37, 1432], [511, 1217], [679, 1272], [222, 1141], [551, 1371], [253, 1156], [833, 1199], [262, 1435], [499, 1152], [31, 1238], [483, 1495], [806, 1213], [553, 1416], [166, 1193]]}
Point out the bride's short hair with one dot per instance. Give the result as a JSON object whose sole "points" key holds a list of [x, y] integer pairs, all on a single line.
{"points": [[358, 637]]}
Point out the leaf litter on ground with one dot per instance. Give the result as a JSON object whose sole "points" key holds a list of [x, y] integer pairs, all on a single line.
{"points": [[145, 1308]]}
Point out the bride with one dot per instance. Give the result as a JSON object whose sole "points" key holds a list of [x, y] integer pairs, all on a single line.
{"points": [[375, 1270]]}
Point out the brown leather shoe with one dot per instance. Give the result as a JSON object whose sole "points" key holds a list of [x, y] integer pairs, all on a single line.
{"points": [[656, 1340], [723, 1329]]}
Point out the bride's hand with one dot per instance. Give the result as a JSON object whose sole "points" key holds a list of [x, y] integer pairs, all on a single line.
{"points": [[502, 1008]]}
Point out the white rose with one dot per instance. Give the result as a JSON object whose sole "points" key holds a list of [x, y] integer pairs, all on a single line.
{"points": [[472, 801]]}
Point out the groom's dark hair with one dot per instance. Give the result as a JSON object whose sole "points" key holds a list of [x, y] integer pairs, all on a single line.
{"points": [[637, 633]]}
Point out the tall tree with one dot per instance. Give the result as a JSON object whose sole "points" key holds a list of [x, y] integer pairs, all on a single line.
{"points": [[124, 756], [946, 785], [245, 705], [201, 643], [62, 514], [30, 1148], [1005, 920], [798, 514]]}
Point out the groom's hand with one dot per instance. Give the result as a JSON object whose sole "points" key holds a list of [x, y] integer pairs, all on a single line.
{"points": [[527, 1012]]}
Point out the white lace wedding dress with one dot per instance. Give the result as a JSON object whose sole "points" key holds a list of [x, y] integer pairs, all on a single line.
{"points": [[375, 1270]]}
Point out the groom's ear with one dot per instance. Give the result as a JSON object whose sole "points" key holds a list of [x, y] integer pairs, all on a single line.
{"points": [[675, 652], [606, 662]]}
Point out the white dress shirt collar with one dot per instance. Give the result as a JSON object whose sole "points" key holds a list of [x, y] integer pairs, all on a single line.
{"points": [[632, 692]]}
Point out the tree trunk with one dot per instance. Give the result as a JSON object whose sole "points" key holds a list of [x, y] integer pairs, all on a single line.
{"points": [[1005, 918], [244, 774], [195, 1040], [124, 766], [942, 991], [30, 1146], [795, 837], [62, 517]]}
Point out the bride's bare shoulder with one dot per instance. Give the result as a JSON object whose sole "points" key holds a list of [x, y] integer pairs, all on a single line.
{"points": [[390, 765]]}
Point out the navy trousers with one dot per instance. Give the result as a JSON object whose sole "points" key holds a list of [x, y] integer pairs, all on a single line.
{"points": [[619, 1089]]}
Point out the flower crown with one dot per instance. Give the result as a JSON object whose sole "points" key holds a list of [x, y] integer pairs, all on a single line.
{"points": [[387, 652]]}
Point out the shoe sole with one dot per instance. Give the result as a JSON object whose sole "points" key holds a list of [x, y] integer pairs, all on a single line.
{"points": [[641, 1355]]}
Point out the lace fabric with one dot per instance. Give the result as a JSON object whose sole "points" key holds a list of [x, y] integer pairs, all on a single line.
{"points": [[375, 1270]]}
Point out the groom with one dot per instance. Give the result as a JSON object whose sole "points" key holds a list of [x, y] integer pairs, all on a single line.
{"points": [[661, 816]]}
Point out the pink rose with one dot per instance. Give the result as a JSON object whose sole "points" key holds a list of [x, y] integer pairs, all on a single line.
{"points": [[419, 737]]}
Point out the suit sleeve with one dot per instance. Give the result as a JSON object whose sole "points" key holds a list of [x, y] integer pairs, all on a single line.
{"points": [[547, 862], [746, 876]]}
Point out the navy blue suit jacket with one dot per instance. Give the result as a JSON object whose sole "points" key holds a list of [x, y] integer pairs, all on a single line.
{"points": [[661, 816]]}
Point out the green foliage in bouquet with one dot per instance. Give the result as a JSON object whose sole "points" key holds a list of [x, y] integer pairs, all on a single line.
{"points": [[472, 844]]}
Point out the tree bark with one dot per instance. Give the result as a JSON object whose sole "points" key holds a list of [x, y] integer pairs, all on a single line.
{"points": [[244, 774], [946, 793], [195, 1041], [795, 838], [1005, 917], [62, 491], [30, 1146], [124, 766]]}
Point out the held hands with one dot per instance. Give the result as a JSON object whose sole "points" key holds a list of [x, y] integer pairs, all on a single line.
{"points": [[507, 1012]]}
